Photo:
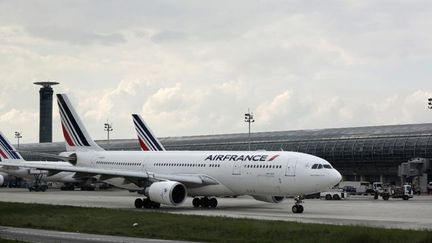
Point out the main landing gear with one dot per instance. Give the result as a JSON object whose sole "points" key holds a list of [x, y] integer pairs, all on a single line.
{"points": [[205, 202], [37, 185], [146, 203], [298, 208]]}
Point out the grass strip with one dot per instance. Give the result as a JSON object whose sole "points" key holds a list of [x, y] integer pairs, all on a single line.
{"points": [[193, 228]]}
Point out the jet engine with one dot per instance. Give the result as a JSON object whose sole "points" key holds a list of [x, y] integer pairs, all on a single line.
{"points": [[167, 192], [1, 180], [269, 199]]}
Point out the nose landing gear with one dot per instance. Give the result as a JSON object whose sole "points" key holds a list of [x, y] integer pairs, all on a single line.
{"points": [[298, 208]]}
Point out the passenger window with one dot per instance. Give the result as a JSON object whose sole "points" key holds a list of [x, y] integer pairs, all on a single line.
{"points": [[315, 166]]}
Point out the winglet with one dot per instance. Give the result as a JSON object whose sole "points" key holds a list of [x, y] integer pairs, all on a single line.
{"points": [[147, 139], [74, 132], [7, 150]]}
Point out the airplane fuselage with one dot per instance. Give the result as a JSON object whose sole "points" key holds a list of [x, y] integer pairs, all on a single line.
{"points": [[233, 173]]}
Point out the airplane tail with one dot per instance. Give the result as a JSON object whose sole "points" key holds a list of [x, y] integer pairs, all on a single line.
{"points": [[7, 150], [147, 139], [74, 132]]}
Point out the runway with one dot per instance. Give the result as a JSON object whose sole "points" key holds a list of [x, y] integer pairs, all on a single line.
{"points": [[395, 213]]}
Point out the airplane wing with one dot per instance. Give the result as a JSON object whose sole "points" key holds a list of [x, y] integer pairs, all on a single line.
{"points": [[187, 179]]}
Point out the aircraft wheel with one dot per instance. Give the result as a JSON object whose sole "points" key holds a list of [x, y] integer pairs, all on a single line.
{"points": [[204, 202], [301, 209], [147, 203], [295, 209], [336, 197], [196, 202], [213, 202], [138, 203], [155, 205]]}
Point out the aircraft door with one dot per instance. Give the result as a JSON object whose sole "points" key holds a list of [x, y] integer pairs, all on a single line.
{"points": [[291, 166], [237, 168], [144, 165]]}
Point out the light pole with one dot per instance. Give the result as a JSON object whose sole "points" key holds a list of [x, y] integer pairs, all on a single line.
{"points": [[18, 136], [108, 128], [249, 118]]}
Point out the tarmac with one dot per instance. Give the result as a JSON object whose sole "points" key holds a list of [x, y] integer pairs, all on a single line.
{"points": [[49, 236], [414, 214]]}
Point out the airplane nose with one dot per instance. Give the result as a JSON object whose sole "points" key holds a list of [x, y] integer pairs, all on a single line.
{"points": [[337, 177]]}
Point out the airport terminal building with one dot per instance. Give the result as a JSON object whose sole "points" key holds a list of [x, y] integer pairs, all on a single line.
{"points": [[360, 153]]}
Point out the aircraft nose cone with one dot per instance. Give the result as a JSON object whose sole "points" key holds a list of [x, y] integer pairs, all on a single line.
{"points": [[337, 177]]}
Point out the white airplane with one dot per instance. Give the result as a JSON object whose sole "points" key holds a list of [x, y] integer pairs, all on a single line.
{"points": [[147, 140], [8, 153], [169, 177]]}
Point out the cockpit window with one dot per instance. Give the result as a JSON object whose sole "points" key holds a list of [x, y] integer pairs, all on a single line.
{"points": [[320, 166]]}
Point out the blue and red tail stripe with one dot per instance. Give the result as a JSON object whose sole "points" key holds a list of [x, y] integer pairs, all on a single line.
{"points": [[143, 145], [145, 136], [7, 151], [71, 130]]}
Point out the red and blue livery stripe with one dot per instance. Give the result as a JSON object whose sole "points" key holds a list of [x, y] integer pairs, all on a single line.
{"points": [[7, 151]]}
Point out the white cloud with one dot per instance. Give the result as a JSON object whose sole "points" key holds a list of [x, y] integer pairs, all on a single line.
{"points": [[195, 67]]}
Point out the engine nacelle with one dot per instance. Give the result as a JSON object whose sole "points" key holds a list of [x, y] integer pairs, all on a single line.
{"points": [[71, 157], [269, 199], [1, 180], [167, 192]]}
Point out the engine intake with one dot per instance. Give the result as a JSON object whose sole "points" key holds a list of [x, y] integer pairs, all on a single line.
{"points": [[269, 199], [73, 158], [69, 157], [167, 192]]}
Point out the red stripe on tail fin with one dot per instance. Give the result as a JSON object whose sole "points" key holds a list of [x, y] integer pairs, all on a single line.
{"points": [[3, 154], [67, 137], [143, 145]]}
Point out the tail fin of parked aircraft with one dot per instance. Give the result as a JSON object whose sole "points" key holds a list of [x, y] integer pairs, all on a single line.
{"points": [[75, 134], [7, 150], [147, 139]]}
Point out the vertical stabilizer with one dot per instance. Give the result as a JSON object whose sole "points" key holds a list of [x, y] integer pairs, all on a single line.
{"points": [[7, 150], [147, 140], [74, 132]]}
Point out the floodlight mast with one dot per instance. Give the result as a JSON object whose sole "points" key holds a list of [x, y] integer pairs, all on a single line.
{"points": [[108, 128], [249, 118], [18, 136]]}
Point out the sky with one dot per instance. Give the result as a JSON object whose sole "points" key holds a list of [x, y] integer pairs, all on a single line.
{"points": [[195, 67]]}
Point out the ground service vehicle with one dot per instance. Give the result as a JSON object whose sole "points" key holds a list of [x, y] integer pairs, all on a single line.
{"points": [[336, 194], [388, 191]]}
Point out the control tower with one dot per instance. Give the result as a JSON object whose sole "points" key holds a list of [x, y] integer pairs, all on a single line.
{"points": [[45, 111]]}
